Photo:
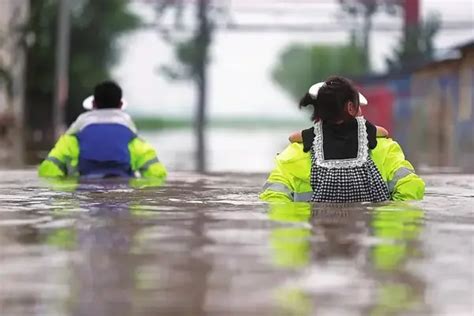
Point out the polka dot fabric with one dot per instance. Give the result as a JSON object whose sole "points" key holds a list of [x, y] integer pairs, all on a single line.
{"points": [[347, 185], [346, 181]]}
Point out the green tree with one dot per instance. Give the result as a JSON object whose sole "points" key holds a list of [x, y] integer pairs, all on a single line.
{"points": [[300, 66], [192, 49], [415, 46], [365, 9], [192, 58], [95, 28]]}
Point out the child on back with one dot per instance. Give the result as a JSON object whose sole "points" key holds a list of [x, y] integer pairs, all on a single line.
{"points": [[341, 160], [103, 143], [297, 137], [340, 143]]}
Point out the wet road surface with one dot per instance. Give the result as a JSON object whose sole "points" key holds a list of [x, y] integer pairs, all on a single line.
{"points": [[205, 245]]}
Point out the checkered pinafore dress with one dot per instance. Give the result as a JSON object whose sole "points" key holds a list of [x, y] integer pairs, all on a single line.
{"points": [[346, 180]]}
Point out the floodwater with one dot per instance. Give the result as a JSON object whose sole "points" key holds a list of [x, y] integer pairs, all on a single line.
{"points": [[205, 245]]}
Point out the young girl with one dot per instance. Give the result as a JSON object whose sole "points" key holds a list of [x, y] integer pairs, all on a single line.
{"points": [[342, 169], [297, 137]]}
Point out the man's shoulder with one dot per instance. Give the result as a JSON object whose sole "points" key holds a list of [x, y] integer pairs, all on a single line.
{"points": [[385, 143], [68, 143], [294, 161], [292, 153], [387, 147]]}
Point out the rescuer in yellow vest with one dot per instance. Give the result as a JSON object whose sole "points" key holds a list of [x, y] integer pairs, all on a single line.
{"points": [[301, 165], [102, 143]]}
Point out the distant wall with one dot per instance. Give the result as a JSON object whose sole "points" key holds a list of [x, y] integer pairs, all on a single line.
{"points": [[430, 112]]}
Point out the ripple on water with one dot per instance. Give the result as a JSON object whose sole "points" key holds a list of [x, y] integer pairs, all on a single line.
{"points": [[205, 245]]}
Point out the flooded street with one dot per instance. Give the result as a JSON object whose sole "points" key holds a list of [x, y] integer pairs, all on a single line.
{"points": [[205, 245]]}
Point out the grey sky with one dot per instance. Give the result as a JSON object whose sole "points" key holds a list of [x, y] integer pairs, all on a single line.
{"points": [[240, 72]]}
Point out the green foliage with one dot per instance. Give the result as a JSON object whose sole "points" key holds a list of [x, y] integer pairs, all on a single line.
{"points": [[300, 66], [416, 46], [187, 53], [190, 51], [95, 28], [365, 9], [40, 62]]}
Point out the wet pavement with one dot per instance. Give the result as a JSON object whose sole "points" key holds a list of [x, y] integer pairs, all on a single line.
{"points": [[205, 245]]}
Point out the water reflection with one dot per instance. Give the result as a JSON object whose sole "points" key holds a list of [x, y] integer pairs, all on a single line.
{"points": [[204, 245], [103, 279], [365, 242]]}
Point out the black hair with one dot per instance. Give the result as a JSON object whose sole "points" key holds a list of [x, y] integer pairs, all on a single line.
{"points": [[330, 103], [107, 95]]}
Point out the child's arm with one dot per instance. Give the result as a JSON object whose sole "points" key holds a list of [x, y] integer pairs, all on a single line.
{"points": [[296, 137]]}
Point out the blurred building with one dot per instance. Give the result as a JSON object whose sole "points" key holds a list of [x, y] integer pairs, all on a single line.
{"points": [[430, 110], [444, 96], [13, 14]]}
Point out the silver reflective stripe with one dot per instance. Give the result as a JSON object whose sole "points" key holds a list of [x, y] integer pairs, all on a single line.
{"points": [[278, 187], [303, 196], [147, 164], [71, 171], [61, 165], [399, 174]]}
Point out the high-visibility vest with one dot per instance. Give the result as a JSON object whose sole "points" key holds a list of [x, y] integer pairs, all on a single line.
{"points": [[290, 179], [104, 150], [101, 143]]}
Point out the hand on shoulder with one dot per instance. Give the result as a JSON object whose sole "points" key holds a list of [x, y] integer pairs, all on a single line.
{"points": [[382, 132], [296, 137]]}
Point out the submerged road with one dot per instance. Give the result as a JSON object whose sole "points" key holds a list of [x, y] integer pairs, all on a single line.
{"points": [[205, 245]]}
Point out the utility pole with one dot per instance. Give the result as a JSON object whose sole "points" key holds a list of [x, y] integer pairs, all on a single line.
{"points": [[62, 65], [411, 13], [202, 44], [411, 31], [411, 17]]}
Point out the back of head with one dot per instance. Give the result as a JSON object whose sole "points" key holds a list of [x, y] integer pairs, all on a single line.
{"points": [[107, 95], [333, 96]]}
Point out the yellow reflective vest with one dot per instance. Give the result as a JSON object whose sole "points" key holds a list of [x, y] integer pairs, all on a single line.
{"points": [[290, 179], [63, 159]]}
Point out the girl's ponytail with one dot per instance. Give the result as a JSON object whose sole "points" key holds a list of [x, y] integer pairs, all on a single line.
{"points": [[308, 100]]}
